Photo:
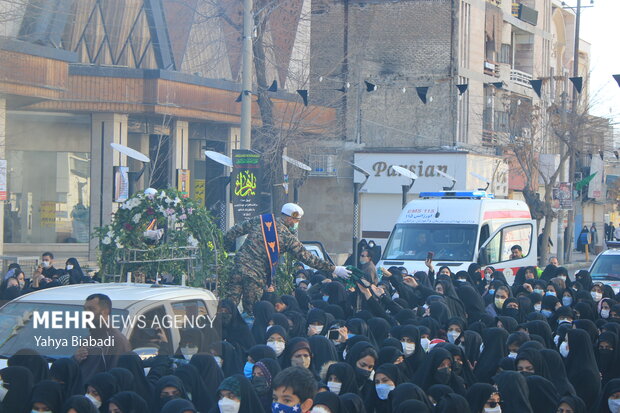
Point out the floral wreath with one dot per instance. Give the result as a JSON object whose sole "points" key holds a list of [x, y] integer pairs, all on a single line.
{"points": [[158, 223]]}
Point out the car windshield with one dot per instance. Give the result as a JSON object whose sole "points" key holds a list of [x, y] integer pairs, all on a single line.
{"points": [[606, 266], [448, 242], [17, 329]]}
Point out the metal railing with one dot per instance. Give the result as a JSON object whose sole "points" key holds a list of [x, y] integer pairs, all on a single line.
{"points": [[520, 78]]}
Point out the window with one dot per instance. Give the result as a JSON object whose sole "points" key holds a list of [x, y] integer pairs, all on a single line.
{"points": [[152, 337], [49, 197], [505, 54], [449, 242], [498, 248]]}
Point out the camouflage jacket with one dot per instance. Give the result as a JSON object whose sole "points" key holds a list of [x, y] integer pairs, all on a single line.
{"points": [[253, 254]]}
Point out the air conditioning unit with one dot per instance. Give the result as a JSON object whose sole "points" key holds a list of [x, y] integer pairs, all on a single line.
{"points": [[322, 165]]}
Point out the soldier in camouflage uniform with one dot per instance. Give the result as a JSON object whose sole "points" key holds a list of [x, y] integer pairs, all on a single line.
{"points": [[249, 279]]}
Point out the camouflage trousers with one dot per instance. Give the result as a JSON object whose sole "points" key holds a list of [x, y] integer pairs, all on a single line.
{"points": [[247, 285]]}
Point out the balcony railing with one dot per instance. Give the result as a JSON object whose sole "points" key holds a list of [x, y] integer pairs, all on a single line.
{"points": [[489, 138], [491, 68], [520, 78]]}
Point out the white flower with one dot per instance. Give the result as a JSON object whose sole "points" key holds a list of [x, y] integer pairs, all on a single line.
{"points": [[136, 218], [118, 244], [110, 234], [177, 201], [168, 200], [106, 241], [192, 241], [162, 195]]}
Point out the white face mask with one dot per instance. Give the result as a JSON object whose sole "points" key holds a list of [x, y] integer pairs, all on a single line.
{"points": [[512, 355], [3, 391], [188, 352], [383, 390], [45, 264], [408, 348], [453, 335], [277, 346], [218, 360], [298, 280], [425, 343], [334, 387], [614, 405], [496, 409], [312, 329], [69, 267], [319, 409], [596, 296], [605, 313], [564, 349], [537, 307], [227, 405], [93, 400]]}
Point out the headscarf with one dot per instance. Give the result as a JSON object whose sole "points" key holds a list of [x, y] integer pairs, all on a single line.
{"points": [[124, 378], [354, 354], [82, 404], [250, 403], [33, 361], [49, 393], [234, 329], [536, 360], [465, 371], [478, 395], [18, 381], [613, 386], [178, 406], [346, 375], [263, 310], [408, 391], [231, 361], [129, 402], [494, 350], [452, 403], [575, 403], [473, 302], [412, 406], [380, 328], [106, 385], [415, 360], [317, 315], [132, 362], [76, 275], [426, 375], [328, 399], [542, 329], [543, 395], [608, 360], [292, 347], [555, 365], [157, 402], [473, 340], [393, 373], [589, 327], [322, 350], [352, 403], [437, 391], [68, 373], [514, 392], [195, 387], [210, 373], [581, 367]]}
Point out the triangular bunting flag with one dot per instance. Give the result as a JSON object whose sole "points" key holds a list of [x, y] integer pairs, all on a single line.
{"points": [[370, 87], [617, 78], [498, 85], [536, 85], [422, 91], [239, 98], [577, 82], [273, 87], [462, 88], [304, 95]]}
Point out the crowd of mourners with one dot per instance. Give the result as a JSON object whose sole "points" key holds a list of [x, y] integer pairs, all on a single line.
{"points": [[432, 341]]}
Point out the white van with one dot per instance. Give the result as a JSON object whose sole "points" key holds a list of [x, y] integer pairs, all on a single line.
{"points": [[459, 228]]}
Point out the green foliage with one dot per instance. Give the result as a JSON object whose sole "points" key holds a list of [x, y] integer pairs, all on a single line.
{"points": [[186, 224]]}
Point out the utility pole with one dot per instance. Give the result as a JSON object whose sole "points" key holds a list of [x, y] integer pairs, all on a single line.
{"points": [[572, 140], [246, 79]]}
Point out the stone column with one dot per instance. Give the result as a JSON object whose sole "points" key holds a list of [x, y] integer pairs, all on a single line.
{"points": [[105, 129], [179, 148]]}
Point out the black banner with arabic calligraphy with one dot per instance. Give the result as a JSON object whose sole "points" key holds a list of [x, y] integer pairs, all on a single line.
{"points": [[245, 185]]}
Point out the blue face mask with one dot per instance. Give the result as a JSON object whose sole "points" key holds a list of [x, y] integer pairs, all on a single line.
{"points": [[350, 336], [553, 293], [283, 408], [566, 301], [491, 291], [247, 369], [326, 298], [546, 313]]}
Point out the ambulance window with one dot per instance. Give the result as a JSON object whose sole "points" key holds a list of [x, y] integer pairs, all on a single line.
{"points": [[484, 234], [498, 248]]}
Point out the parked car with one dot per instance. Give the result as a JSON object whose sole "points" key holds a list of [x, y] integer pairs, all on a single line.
{"points": [[606, 268], [131, 301], [317, 248]]}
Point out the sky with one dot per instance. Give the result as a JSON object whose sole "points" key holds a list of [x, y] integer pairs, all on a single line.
{"points": [[601, 28]]}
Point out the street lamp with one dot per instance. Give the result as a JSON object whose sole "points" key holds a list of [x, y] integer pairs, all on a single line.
{"points": [[445, 175], [357, 186], [481, 178], [298, 183], [227, 162], [407, 174], [133, 154]]}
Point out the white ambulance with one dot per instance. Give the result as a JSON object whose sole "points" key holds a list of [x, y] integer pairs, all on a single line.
{"points": [[459, 228]]}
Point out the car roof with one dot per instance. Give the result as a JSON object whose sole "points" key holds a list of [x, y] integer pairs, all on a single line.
{"points": [[613, 251], [118, 292]]}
